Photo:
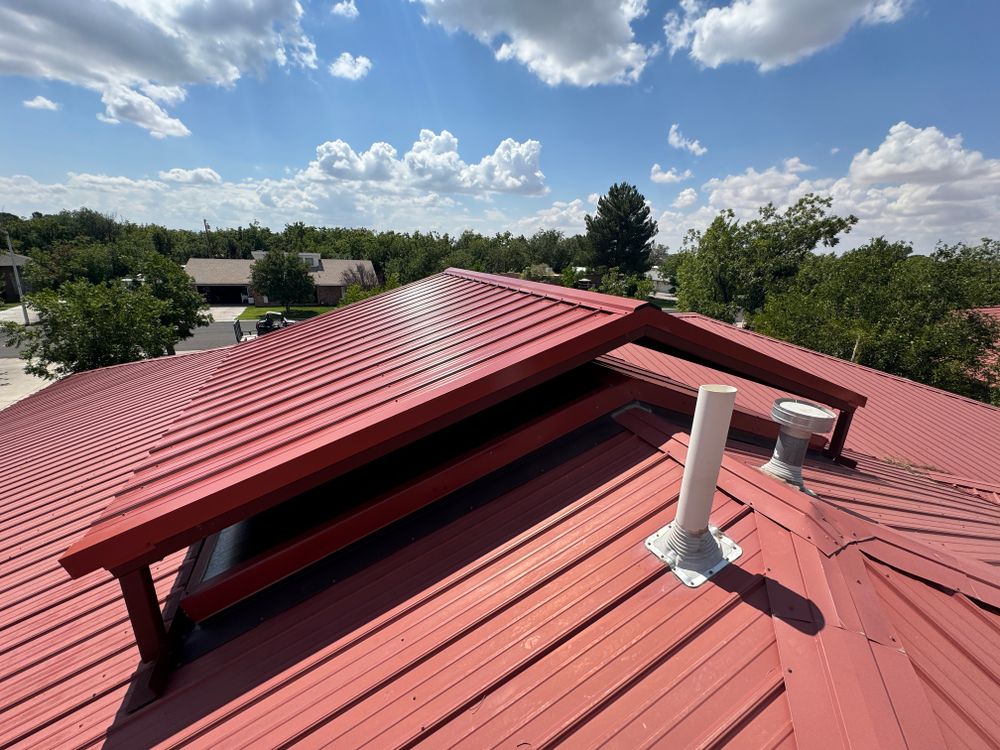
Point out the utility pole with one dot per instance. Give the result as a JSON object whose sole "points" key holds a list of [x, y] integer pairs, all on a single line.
{"points": [[208, 240], [17, 277]]}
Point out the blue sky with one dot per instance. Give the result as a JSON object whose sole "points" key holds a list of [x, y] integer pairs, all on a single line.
{"points": [[239, 110]]}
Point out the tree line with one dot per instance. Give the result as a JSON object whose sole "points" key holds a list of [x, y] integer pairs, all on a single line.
{"points": [[108, 291], [879, 305], [405, 256]]}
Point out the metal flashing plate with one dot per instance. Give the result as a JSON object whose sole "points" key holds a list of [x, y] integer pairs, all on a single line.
{"points": [[656, 544]]}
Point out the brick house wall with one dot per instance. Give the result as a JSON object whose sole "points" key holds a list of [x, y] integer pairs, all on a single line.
{"points": [[329, 295]]}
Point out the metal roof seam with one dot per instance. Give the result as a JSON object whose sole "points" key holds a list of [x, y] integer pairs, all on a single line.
{"points": [[78, 416], [335, 375]]}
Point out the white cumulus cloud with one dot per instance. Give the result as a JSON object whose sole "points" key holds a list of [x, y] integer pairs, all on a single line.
{"points": [[350, 67], [676, 139], [795, 164], [566, 216], [656, 174], [123, 103], [687, 198], [918, 184], [433, 163], [770, 33], [338, 159], [140, 57], [579, 42], [40, 102], [922, 156], [345, 9], [196, 176]]}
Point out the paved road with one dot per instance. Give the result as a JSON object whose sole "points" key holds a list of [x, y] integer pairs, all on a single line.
{"points": [[208, 337], [211, 336]]}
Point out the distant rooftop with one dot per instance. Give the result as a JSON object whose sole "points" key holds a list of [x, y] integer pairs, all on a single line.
{"points": [[236, 271]]}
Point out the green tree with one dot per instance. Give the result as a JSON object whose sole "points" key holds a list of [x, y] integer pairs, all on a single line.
{"points": [[973, 269], [881, 306], [625, 285], [185, 309], [283, 276], [668, 267], [621, 231], [133, 258], [358, 291], [570, 276], [83, 325], [732, 267]]}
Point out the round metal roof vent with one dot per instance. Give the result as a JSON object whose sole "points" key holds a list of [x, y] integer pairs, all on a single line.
{"points": [[804, 416], [799, 420]]}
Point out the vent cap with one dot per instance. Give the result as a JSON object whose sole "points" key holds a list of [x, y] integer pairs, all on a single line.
{"points": [[799, 421]]}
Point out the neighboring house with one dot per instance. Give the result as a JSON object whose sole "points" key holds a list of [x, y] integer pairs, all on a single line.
{"points": [[9, 292], [432, 532], [662, 288], [225, 281]]}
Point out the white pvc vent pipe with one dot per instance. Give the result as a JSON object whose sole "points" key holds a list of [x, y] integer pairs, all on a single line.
{"points": [[709, 429], [694, 549]]}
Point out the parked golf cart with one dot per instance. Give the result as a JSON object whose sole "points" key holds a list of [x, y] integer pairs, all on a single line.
{"points": [[272, 321]]}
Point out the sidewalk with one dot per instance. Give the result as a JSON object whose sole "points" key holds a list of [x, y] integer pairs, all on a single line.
{"points": [[16, 315], [14, 383]]}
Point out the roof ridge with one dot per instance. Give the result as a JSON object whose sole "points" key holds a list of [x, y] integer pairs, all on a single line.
{"points": [[584, 298], [873, 370]]}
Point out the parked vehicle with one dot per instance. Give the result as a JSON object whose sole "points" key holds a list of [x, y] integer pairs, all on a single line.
{"points": [[272, 321]]}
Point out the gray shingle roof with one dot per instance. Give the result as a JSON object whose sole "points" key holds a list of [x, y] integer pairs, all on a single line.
{"points": [[236, 272]]}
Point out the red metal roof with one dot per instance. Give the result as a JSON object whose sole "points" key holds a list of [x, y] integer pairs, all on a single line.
{"points": [[539, 618], [66, 647], [291, 404], [903, 420], [938, 514], [288, 411], [954, 650]]}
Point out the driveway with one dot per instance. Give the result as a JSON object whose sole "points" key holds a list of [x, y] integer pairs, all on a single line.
{"points": [[226, 313], [15, 384]]}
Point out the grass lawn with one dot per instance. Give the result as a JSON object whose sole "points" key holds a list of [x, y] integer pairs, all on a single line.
{"points": [[6, 305], [296, 313]]}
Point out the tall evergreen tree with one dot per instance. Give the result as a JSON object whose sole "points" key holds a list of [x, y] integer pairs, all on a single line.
{"points": [[621, 232]]}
